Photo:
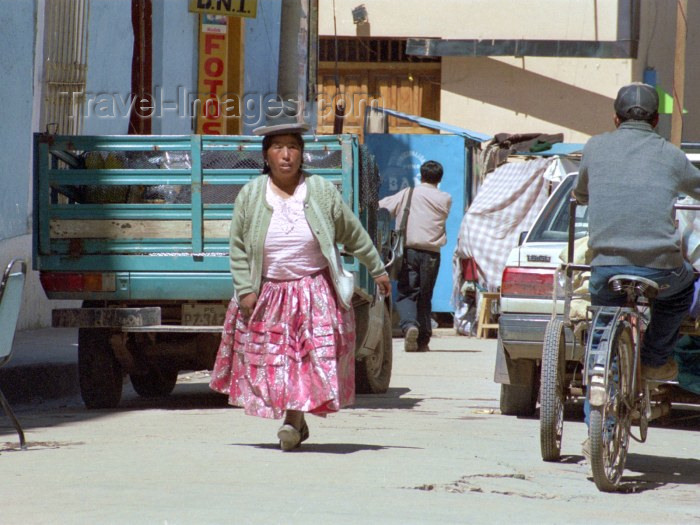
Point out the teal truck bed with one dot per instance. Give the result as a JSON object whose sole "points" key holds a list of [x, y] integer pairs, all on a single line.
{"points": [[136, 227]]}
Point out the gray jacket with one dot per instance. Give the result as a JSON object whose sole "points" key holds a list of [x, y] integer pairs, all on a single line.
{"points": [[630, 178]]}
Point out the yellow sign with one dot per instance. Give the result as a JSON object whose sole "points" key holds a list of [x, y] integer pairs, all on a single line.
{"points": [[213, 45], [245, 8]]}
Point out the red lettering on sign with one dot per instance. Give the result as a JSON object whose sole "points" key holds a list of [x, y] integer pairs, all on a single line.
{"points": [[212, 128], [214, 66], [210, 44]]}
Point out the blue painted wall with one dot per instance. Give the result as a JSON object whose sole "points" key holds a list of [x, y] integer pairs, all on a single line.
{"points": [[110, 47], [110, 44], [399, 158], [174, 65], [16, 94], [262, 40]]}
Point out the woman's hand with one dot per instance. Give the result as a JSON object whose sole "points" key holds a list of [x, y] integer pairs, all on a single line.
{"points": [[384, 284], [246, 304]]}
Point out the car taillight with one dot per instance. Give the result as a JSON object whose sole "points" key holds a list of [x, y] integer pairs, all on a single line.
{"points": [[529, 282], [77, 282]]}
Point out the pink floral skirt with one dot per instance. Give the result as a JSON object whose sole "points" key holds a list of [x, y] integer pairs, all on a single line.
{"points": [[297, 351]]}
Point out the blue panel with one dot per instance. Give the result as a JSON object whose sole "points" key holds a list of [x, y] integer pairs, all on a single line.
{"points": [[109, 68], [399, 158], [179, 286], [16, 89], [175, 45], [262, 42]]}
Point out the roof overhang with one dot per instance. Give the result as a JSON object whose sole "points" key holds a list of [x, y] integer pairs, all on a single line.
{"points": [[626, 44], [432, 47], [472, 136]]}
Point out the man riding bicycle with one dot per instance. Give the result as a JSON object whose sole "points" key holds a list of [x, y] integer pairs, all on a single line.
{"points": [[630, 178]]}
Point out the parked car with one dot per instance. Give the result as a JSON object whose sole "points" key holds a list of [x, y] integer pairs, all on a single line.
{"points": [[526, 300]]}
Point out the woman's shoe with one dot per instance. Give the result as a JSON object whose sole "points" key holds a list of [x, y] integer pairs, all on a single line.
{"points": [[290, 438], [304, 431]]}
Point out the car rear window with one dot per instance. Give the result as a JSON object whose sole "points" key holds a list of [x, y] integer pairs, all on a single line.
{"points": [[553, 223]]}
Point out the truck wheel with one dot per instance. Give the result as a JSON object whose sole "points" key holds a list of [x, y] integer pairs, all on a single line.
{"points": [[373, 373], [99, 373], [520, 399], [157, 382]]}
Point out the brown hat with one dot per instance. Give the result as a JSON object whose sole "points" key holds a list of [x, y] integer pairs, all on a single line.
{"points": [[637, 101]]}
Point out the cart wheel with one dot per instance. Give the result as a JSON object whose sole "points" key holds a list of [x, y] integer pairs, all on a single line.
{"points": [[552, 390], [373, 373], [156, 382], [609, 428], [99, 373]]}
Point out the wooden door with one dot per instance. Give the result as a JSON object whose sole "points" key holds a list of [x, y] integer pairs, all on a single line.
{"points": [[408, 88]]}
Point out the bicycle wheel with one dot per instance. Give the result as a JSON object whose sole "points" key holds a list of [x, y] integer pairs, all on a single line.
{"points": [[552, 390], [609, 426]]}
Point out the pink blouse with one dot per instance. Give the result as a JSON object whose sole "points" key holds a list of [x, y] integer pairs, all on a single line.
{"points": [[291, 251]]}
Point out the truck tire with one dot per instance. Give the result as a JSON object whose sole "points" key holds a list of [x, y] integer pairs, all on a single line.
{"points": [[99, 373], [157, 382], [373, 373], [520, 399]]}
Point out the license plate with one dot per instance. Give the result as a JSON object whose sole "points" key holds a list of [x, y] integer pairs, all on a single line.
{"points": [[203, 314]]}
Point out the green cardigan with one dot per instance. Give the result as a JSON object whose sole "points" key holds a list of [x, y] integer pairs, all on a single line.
{"points": [[251, 220]]}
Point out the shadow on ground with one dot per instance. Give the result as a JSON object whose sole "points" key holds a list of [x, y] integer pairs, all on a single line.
{"points": [[195, 395], [657, 471], [325, 448], [394, 398]]}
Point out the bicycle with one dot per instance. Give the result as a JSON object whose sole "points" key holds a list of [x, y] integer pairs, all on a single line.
{"points": [[597, 357], [616, 392]]}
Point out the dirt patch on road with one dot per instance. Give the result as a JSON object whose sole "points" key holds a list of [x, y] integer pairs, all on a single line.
{"points": [[514, 484]]}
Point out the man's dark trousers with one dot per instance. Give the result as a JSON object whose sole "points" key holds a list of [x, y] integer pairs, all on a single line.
{"points": [[415, 287], [667, 311]]}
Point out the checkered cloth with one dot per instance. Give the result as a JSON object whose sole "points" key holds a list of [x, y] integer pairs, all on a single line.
{"points": [[507, 203]]}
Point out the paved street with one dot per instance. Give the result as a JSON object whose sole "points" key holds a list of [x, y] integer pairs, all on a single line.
{"points": [[434, 449]]}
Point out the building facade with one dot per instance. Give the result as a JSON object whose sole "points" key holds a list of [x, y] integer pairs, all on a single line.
{"points": [[514, 66]]}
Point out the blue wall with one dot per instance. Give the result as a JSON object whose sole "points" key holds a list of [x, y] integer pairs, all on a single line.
{"points": [[174, 65], [110, 49], [399, 158], [16, 94], [262, 40], [110, 44]]}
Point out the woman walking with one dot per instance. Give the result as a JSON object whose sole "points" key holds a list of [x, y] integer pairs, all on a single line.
{"points": [[289, 337]]}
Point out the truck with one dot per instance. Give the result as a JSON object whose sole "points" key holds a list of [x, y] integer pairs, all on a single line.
{"points": [[136, 228]]}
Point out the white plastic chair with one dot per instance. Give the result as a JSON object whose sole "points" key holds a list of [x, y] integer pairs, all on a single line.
{"points": [[10, 303]]}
